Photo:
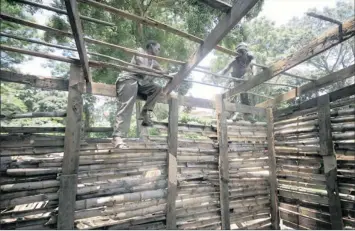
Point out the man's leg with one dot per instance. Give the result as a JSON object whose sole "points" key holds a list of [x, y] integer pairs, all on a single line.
{"points": [[152, 91], [245, 100], [126, 92], [237, 115]]}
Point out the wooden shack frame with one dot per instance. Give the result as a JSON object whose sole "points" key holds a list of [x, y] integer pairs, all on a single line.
{"points": [[89, 186]]}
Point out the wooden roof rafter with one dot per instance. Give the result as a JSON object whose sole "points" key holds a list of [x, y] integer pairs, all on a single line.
{"points": [[49, 83], [12, 19], [321, 82], [322, 43], [297, 76], [312, 103], [93, 41], [97, 64], [92, 63], [60, 11], [75, 24], [153, 23], [218, 5], [225, 24]]}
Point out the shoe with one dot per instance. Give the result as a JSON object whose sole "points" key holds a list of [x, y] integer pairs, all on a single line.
{"points": [[118, 143], [146, 117]]}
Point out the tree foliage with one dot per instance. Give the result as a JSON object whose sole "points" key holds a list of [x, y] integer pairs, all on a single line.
{"points": [[17, 98]]}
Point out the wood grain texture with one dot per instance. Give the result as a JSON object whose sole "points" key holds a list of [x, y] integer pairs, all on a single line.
{"points": [[153, 23], [70, 163], [312, 103], [275, 218], [172, 163], [49, 83], [223, 161], [312, 86], [329, 161]]}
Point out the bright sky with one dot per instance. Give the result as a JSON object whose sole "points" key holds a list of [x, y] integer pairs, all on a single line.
{"points": [[279, 11]]}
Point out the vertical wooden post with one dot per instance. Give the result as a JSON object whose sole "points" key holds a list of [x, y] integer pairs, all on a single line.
{"points": [[275, 218], [223, 161], [68, 178], [138, 124], [172, 163], [329, 161]]}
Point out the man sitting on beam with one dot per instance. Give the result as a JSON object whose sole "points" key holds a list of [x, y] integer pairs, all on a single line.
{"points": [[128, 86], [239, 67]]}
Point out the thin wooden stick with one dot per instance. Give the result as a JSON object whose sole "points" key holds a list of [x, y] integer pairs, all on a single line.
{"points": [[60, 11], [152, 22]]}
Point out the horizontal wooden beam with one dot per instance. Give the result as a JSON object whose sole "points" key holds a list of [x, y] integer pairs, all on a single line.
{"points": [[96, 64], [151, 22], [135, 69], [324, 42], [60, 11], [225, 24], [333, 96], [218, 5], [297, 76], [50, 83], [312, 86], [127, 63], [132, 51], [30, 40], [39, 54], [15, 20], [217, 75], [90, 53], [261, 95], [88, 40]]}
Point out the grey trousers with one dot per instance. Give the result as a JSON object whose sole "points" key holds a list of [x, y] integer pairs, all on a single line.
{"points": [[126, 92], [244, 98]]}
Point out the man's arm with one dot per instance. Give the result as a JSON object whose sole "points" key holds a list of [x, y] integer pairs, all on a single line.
{"points": [[227, 68], [156, 66], [139, 60]]}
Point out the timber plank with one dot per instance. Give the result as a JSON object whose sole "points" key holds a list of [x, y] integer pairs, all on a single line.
{"points": [[70, 165], [275, 219], [312, 86], [223, 161], [49, 83], [172, 163], [330, 162]]}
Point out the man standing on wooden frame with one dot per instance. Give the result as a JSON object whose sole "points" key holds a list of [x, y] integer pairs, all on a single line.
{"points": [[128, 86], [239, 67]]}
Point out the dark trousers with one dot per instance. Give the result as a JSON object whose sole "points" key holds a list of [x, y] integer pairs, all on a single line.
{"points": [[126, 92], [244, 98]]}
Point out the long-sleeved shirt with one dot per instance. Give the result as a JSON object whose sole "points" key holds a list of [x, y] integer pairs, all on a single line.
{"points": [[140, 61]]}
